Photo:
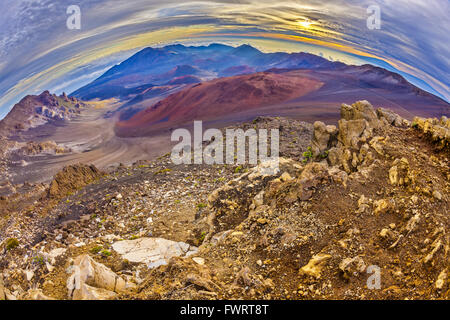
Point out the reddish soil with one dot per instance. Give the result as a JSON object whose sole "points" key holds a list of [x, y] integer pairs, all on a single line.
{"points": [[213, 99]]}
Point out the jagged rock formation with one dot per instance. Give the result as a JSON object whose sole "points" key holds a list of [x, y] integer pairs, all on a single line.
{"points": [[33, 111], [50, 147], [72, 178], [437, 130]]}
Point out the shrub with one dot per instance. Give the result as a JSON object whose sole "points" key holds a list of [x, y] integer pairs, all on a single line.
{"points": [[202, 237], [201, 205], [106, 253], [307, 155], [96, 249], [12, 243]]}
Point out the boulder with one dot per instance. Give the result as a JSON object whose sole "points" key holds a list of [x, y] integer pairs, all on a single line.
{"points": [[351, 132], [391, 117], [324, 137], [86, 271], [229, 205], [360, 110]]}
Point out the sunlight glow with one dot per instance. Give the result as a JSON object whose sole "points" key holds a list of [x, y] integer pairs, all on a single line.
{"points": [[305, 24]]}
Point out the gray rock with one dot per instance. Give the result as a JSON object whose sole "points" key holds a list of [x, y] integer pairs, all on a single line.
{"points": [[324, 137], [360, 110], [351, 132], [391, 117]]}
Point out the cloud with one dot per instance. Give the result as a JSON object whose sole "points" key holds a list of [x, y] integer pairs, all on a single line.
{"points": [[37, 50]]}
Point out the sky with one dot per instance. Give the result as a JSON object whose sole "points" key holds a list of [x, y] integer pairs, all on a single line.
{"points": [[39, 52]]}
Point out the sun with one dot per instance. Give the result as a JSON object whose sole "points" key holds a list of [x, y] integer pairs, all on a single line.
{"points": [[305, 23]]}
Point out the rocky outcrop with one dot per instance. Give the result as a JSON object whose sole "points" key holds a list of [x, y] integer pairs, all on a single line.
{"points": [[49, 147], [437, 130], [324, 138], [72, 178], [33, 111], [356, 135], [361, 110], [391, 118]]}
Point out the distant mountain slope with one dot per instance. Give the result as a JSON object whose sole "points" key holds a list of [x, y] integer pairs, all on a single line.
{"points": [[161, 65], [304, 94], [219, 97], [33, 111]]}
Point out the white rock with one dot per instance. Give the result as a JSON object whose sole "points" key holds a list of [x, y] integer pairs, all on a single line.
{"points": [[49, 267], [111, 237], [152, 251], [87, 292], [199, 260], [29, 275], [55, 253], [88, 272]]}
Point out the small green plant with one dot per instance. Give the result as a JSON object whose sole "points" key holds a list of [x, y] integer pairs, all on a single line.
{"points": [[38, 260], [12, 243], [163, 171], [106, 253], [202, 237], [414, 125], [96, 249], [307, 155], [324, 155], [238, 169], [201, 205]]}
